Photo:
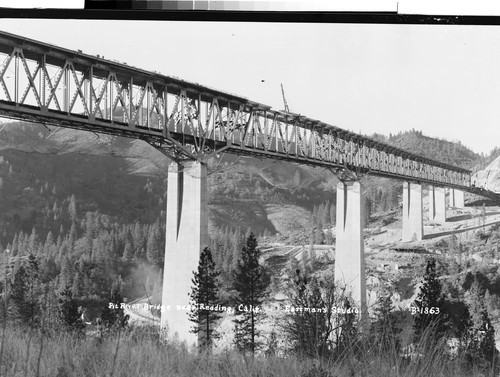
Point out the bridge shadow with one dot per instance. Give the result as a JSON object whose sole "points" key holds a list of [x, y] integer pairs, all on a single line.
{"points": [[456, 231]]}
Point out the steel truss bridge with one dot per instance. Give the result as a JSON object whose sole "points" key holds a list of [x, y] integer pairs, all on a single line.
{"points": [[187, 121]]}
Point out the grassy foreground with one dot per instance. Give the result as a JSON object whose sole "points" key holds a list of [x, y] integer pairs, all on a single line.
{"points": [[137, 354]]}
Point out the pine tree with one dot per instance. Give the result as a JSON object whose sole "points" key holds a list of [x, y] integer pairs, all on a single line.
{"points": [[250, 289], [23, 293], [77, 285], [154, 250], [66, 274], [17, 296], [430, 297], [128, 252], [204, 297], [307, 331], [329, 237], [33, 242], [333, 214], [49, 245], [479, 341], [72, 209], [326, 215], [113, 316], [319, 236], [384, 328], [139, 240], [69, 315]]}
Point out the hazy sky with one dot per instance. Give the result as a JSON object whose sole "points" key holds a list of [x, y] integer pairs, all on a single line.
{"points": [[443, 80]]}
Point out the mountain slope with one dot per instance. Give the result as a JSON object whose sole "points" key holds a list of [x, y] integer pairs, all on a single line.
{"points": [[489, 178]]}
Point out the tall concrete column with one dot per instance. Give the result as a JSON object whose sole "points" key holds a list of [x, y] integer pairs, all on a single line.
{"points": [[413, 224], [186, 236], [456, 198], [437, 204], [349, 244]]}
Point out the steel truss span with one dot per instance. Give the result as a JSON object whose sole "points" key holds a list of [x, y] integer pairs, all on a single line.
{"points": [[44, 83]]}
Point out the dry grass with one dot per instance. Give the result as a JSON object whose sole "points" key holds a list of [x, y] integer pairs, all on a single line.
{"points": [[138, 355]]}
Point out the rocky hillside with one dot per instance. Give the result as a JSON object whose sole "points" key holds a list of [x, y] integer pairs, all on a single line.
{"points": [[489, 178]]}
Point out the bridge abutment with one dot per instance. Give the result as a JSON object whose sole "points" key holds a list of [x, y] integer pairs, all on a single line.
{"points": [[437, 204], [186, 236], [349, 244], [413, 225]]}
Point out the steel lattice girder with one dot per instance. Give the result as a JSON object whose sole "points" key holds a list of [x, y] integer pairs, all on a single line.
{"points": [[53, 85]]}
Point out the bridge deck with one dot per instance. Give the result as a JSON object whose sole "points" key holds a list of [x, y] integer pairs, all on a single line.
{"points": [[44, 83]]}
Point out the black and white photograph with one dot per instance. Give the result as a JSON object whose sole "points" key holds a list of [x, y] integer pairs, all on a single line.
{"points": [[249, 198]]}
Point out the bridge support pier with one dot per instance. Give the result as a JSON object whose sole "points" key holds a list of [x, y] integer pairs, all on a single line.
{"points": [[437, 204], [186, 236], [456, 198], [349, 244], [413, 225]]}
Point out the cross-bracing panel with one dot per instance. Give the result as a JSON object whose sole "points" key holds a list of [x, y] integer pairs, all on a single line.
{"points": [[52, 85]]}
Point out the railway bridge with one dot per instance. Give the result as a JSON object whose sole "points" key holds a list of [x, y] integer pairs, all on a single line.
{"points": [[189, 123]]}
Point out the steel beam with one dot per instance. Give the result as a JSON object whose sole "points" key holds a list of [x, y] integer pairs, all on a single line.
{"points": [[153, 102]]}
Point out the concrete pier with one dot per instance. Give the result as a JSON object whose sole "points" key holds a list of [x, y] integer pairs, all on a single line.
{"points": [[437, 204], [349, 244], [186, 236], [413, 225], [456, 198]]}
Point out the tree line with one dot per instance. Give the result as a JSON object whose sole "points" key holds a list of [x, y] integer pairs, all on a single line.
{"points": [[332, 330]]}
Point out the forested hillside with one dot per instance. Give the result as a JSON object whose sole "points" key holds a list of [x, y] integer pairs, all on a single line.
{"points": [[91, 207], [449, 152]]}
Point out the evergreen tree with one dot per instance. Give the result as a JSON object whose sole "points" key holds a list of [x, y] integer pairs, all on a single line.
{"points": [[487, 347], [33, 242], [307, 331], [49, 245], [429, 301], [325, 216], [333, 214], [155, 249], [128, 252], [77, 285], [329, 237], [479, 341], [250, 288], [17, 296], [113, 316], [319, 236], [384, 329], [72, 209], [24, 292], [139, 240], [66, 274], [69, 315], [204, 297]]}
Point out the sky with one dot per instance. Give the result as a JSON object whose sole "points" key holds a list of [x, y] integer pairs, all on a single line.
{"points": [[441, 79]]}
